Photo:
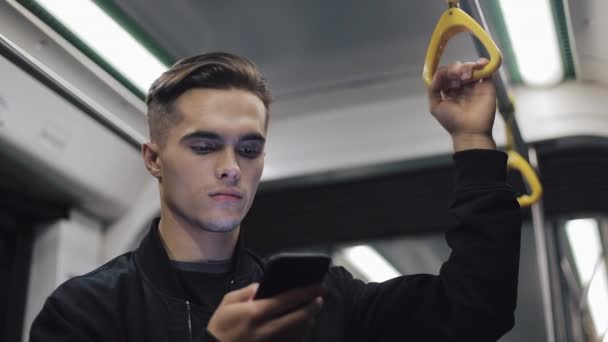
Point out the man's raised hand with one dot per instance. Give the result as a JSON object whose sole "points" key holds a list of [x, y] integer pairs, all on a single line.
{"points": [[464, 107]]}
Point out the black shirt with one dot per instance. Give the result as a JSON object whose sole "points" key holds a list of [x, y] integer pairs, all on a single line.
{"points": [[204, 285]]}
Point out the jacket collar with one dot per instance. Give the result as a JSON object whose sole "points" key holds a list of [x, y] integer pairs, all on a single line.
{"points": [[153, 260]]}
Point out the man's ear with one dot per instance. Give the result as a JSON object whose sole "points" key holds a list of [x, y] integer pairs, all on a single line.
{"points": [[149, 152]]}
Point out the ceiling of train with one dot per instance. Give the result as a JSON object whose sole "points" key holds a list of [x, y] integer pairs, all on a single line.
{"points": [[314, 47], [303, 47], [320, 47]]}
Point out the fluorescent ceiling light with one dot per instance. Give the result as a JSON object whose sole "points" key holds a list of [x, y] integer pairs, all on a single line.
{"points": [[108, 40], [597, 300], [369, 263], [533, 36], [584, 238]]}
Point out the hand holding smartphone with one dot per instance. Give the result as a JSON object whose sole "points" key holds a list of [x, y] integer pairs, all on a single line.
{"points": [[287, 271]]}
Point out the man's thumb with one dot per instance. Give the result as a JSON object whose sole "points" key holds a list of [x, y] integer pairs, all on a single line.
{"points": [[242, 295]]}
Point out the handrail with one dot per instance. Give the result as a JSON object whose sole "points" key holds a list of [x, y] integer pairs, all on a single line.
{"points": [[454, 21], [67, 91], [518, 163]]}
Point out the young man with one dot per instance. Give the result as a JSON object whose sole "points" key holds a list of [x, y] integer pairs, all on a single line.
{"points": [[192, 280]]}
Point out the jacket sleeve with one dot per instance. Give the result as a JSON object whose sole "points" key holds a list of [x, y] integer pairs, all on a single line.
{"points": [[57, 323], [474, 296], [80, 309]]}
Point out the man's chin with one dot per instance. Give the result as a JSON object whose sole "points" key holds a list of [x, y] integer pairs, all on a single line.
{"points": [[219, 226]]}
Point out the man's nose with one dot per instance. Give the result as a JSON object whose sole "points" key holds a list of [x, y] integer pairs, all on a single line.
{"points": [[228, 168]]}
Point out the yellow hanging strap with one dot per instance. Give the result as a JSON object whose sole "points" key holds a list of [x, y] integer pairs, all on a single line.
{"points": [[453, 21], [518, 163]]}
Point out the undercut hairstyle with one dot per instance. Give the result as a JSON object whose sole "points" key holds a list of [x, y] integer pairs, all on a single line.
{"points": [[215, 70]]}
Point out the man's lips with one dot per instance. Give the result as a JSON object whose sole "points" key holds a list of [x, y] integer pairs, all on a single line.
{"points": [[228, 194]]}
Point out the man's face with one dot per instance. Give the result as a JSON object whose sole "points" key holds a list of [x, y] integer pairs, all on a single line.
{"points": [[213, 159]]}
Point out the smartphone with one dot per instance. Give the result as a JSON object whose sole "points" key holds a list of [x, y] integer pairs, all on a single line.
{"points": [[287, 271]]}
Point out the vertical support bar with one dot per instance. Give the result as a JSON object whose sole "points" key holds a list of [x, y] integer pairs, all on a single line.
{"points": [[542, 258], [505, 104]]}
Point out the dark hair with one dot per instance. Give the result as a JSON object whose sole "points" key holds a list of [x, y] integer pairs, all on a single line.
{"points": [[215, 70]]}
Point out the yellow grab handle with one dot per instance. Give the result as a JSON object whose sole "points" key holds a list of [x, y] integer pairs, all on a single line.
{"points": [[517, 162], [453, 21]]}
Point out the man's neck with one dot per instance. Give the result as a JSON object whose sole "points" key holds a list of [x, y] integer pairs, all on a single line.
{"points": [[185, 242]]}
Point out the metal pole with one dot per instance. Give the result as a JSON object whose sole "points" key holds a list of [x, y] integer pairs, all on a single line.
{"points": [[542, 257], [505, 105]]}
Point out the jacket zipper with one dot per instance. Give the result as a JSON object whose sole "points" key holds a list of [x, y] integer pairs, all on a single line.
{"points": [[189, 318], [189, 314]]}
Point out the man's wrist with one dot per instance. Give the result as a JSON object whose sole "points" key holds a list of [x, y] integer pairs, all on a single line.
{"points": [[466, 141]]}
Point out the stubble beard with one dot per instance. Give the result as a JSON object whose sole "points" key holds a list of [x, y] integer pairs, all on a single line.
{"points": [[217, 226], [212, 225]]}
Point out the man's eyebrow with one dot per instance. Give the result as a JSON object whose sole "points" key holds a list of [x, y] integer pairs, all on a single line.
{"points": [[253, 136], [215, 136], [201, 135]]}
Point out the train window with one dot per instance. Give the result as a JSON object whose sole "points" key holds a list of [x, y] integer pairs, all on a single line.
{"points": [[585, 246], [366, 262], [584, 266], [597, 299]]}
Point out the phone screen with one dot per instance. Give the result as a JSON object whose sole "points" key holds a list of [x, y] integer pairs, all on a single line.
{"points": [[293, 270]]}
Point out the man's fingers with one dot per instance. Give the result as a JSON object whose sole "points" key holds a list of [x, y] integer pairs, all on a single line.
{"points": [[436, 86], [454, 75], [481, 63], [288, 300], [460, 74], [243, 295], [466, 74], [470, 67], [301, 317], [449, 80]]}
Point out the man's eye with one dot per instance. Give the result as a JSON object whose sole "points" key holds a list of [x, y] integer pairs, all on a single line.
{"points": [[202, 149], [250, 151]]}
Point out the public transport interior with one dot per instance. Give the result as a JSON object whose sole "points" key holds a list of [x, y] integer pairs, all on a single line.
{"points": [[356, 167]]}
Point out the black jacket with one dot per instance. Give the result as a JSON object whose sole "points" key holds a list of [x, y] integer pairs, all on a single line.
{"points": [[137, 297]]}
